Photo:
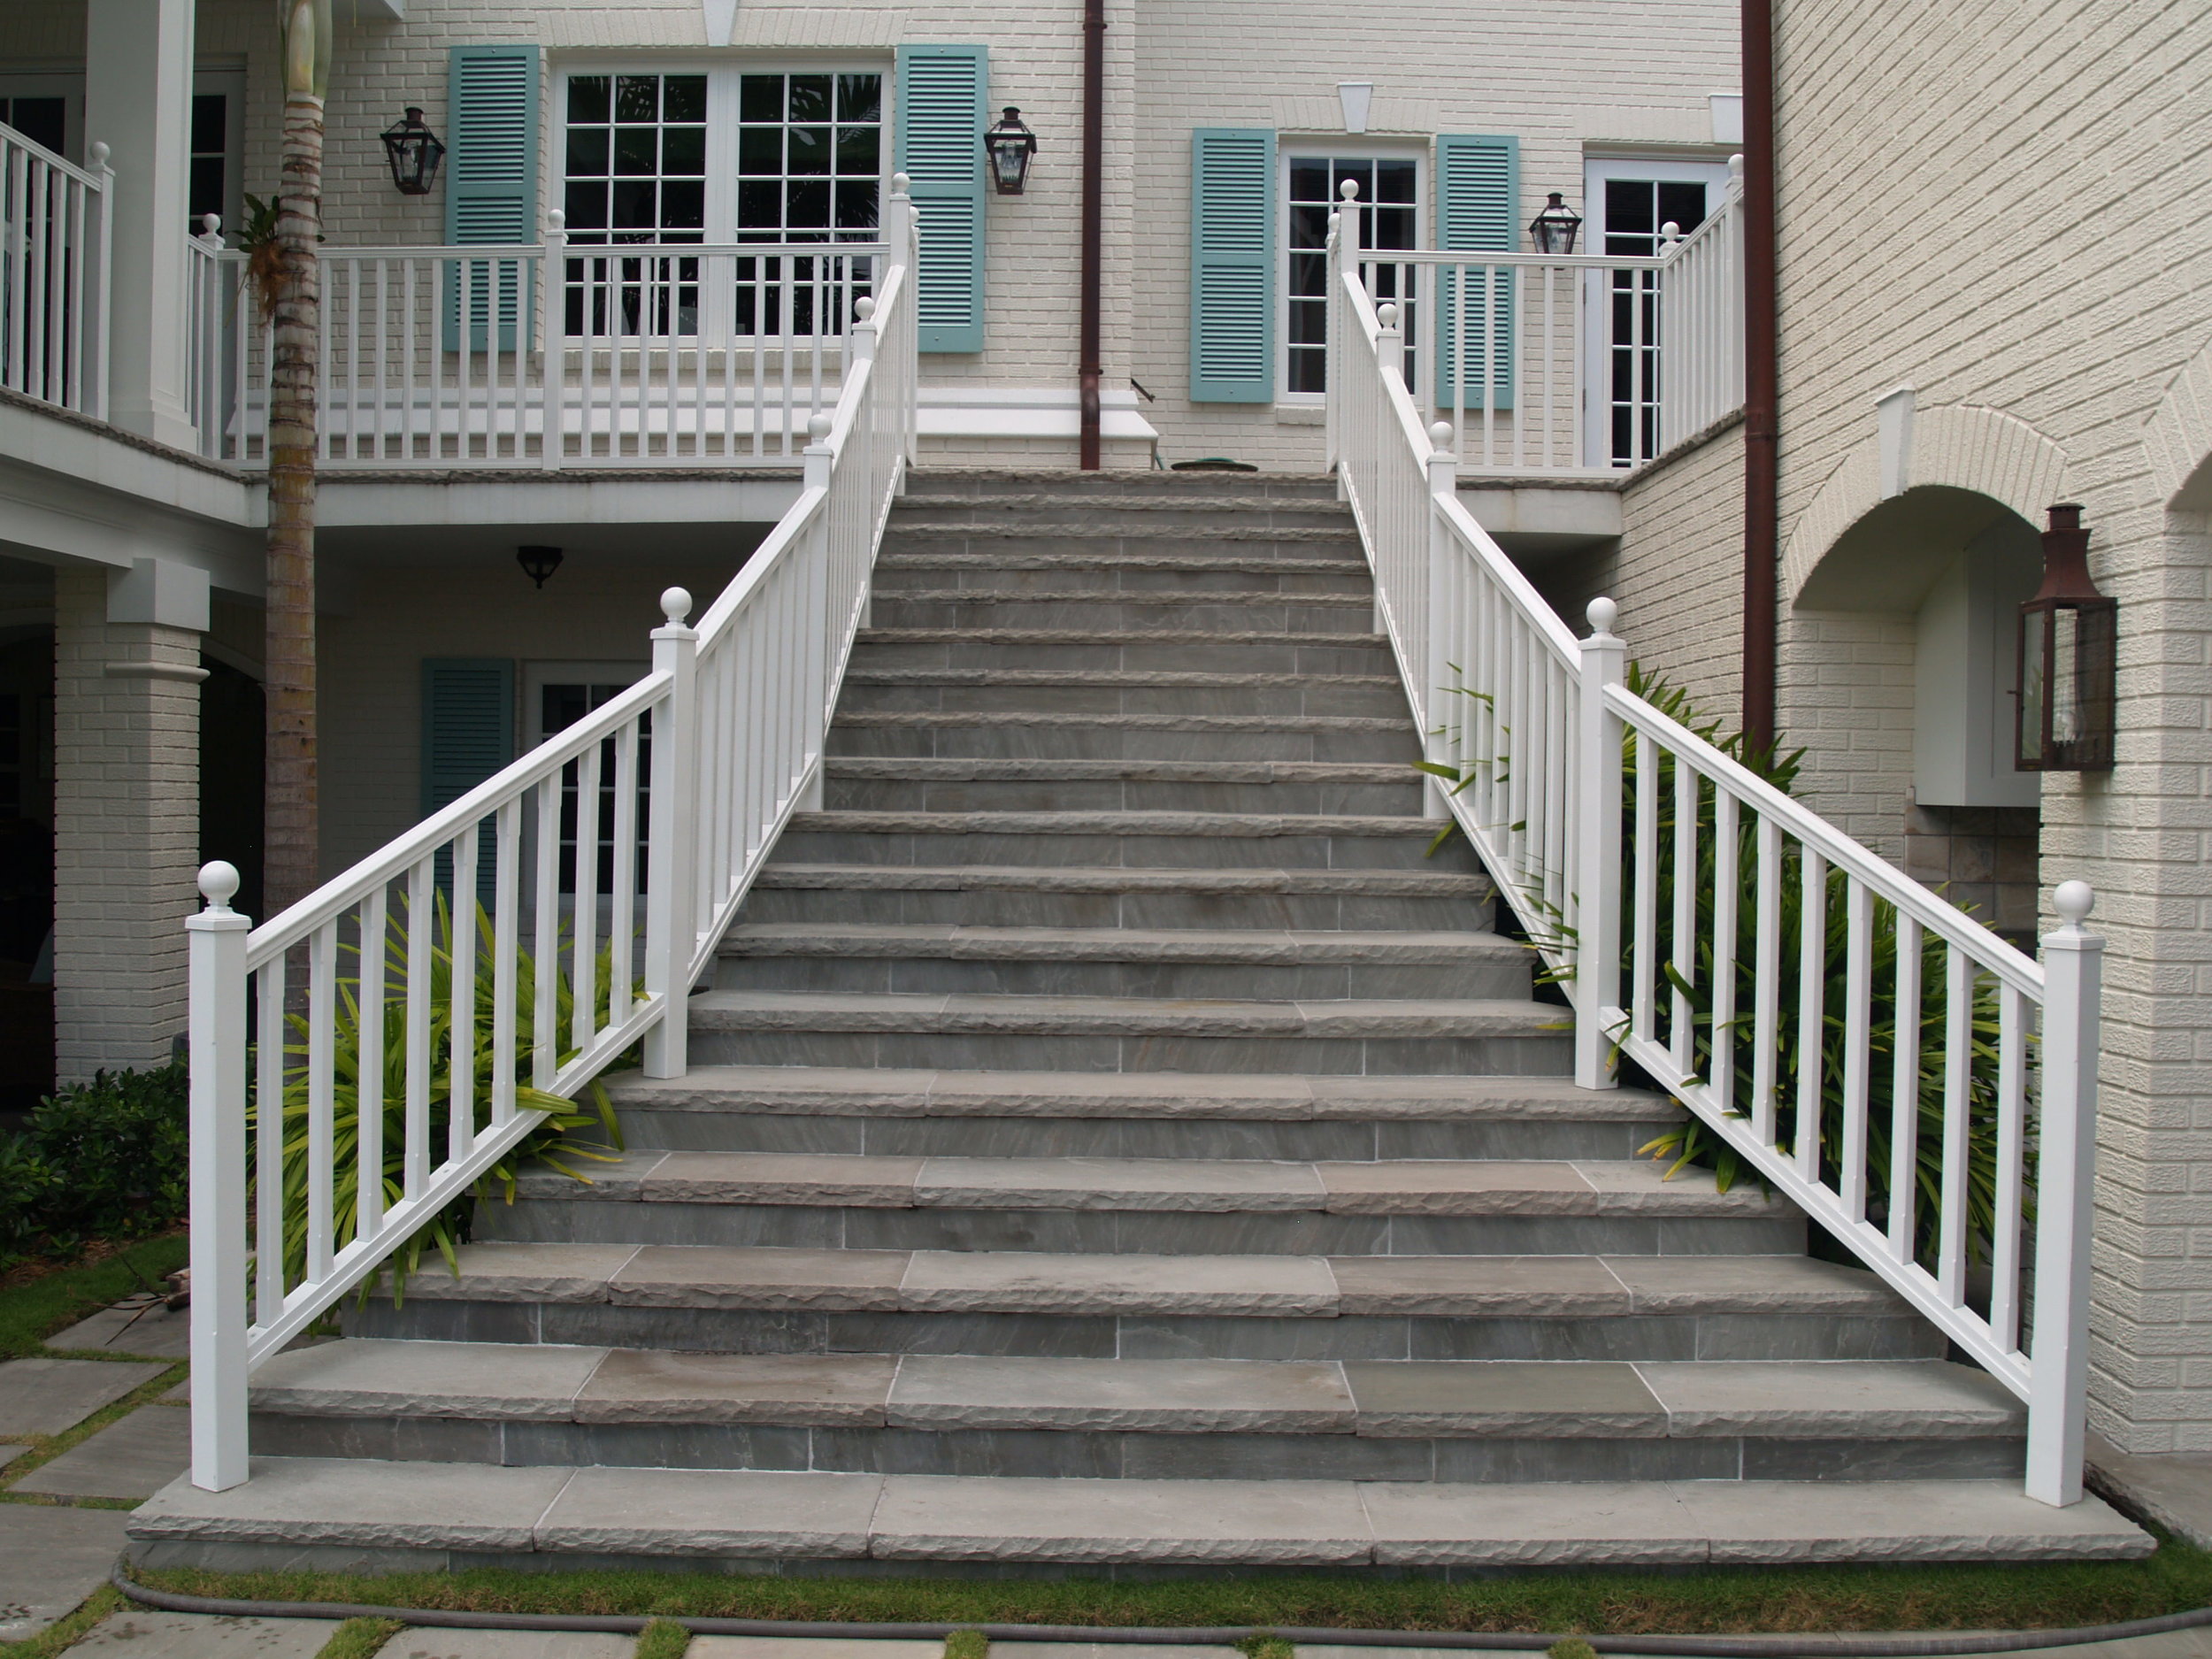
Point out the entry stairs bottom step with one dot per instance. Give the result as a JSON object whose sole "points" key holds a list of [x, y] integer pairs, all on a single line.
{"points": [[362, 1516]]}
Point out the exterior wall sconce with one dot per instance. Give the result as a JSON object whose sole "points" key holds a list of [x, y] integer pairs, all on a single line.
{"points": [[538, 563], [414, 151], [1553, 230], [2068, 663], [1010, 145]]}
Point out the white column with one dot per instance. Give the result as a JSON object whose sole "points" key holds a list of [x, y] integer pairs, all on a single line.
{"points": [[138, 102], [1596, 897]]}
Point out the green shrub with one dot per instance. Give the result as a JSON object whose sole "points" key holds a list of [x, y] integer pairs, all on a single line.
{"points": [[99, 1160]]}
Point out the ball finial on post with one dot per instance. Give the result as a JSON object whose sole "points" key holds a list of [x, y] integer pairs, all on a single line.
{"points": [[865, 308], [2073, 900], [1386, 314], [1441, 437], [1604, 613], [219, 884], [817, 428], [676, 605], [900, 184], [1348, 190]]}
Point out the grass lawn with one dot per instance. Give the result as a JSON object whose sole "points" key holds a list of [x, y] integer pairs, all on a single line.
{"points": [[1722, 1600], [35, 1307]]}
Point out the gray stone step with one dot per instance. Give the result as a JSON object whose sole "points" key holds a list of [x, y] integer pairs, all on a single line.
{"points": [[1043, 895], [1119, 962], [1034, 558], [880, 783], [953, 734], [1245, 492], [1103, 1306], [1101, 609], [1132, 513], [1077, 1034], [1135, 1419], [1068, 691], [1253, 650], [347, 1514], [1143, 841], [1139, 1114], [1156, 1206]]}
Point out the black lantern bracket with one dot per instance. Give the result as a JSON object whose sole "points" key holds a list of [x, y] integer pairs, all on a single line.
{"points": [[1009, 146], [2068, 667], [1553, 230], [414, 153]]}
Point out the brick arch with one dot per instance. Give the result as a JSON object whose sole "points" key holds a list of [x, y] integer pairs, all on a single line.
{"points": [[2178, 439], [1958, 445]]}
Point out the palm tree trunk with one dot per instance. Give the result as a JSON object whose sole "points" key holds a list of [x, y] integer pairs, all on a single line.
{"points": [[289, 837]]}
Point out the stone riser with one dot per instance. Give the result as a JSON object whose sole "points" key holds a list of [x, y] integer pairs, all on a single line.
{"points": [[1277, 489], [1138, 655], [1177, 981], [586, 1220], [1289, 700], [1720, 1336], [801, 846], [1275, 1055], [1115, 795], [1022, 907], [1074, 1455], [1240, 577], [1007, 738], [1132, 520], [1108, 613], [647, 1127]]}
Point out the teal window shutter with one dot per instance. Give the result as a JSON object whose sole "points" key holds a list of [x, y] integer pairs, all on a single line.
{"points": [[1233, 265], [468, 733], [491, 193], [1477, 210], [942, 91]]}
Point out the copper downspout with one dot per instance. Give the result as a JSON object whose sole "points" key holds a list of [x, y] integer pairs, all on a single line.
{"points": [[1088, 368], [1762, 506]]}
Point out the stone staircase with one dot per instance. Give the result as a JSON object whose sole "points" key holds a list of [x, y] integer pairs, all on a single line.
{"points": [[1114, 1144]]}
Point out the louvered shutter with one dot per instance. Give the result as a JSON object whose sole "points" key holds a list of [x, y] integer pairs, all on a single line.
{"points": [[1233, 265], [1478, 210], [491, 190], [468, 733], [941, 112]]}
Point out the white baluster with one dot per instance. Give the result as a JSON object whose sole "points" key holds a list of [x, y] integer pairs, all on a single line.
{"points": [[671, 932], [2065, 1199], [1443, 487], [217, 1175], [1596, 906]]}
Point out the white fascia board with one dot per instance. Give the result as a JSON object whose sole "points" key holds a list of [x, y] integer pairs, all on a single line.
{"points": [[993, 411], [553, 498]]}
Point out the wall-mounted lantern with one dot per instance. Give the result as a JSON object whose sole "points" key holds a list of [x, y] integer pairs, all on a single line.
{"points": [[538, 563], [414, 151], [2069, 659], [1553, 230], [1010, 146]]}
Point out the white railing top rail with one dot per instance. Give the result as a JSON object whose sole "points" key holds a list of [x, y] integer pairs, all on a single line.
{"points": [[94, 177], [2012, 965], [574, 250]]}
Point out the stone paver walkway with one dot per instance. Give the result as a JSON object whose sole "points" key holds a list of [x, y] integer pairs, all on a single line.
{"points": [[508, 1644], [142, 1633], [131, 1328], [132, 1458], [51, 1559], [51, 1396]]}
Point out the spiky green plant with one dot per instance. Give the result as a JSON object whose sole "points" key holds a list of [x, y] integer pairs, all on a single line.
{"points": [[555, 1141]]}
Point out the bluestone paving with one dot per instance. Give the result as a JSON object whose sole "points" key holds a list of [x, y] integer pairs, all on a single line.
{"points": [[145, 1633], [360, 1503], [1161, 1396], [496, 1379], [691, 1511], [50, 1559], [1867, 1398], [51, 1396], [1499, 1396], [1781, 1520], [816, 1648], [418, 1642], [129, 1328], [133, 1457], [11, 1451], [825, 1391]]}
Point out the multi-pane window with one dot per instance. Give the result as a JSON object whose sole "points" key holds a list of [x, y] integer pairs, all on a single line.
{"points": [[42, 120], [207, 183], [1634, 210], [719, 157], [1389, 219]]}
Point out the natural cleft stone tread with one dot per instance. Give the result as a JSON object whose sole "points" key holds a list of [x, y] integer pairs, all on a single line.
{"points": [[969, 1011], [1122, 944], [1126, 879]]}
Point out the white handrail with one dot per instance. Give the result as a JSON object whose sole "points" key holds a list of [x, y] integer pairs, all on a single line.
{"points": [[529, 892], [56, 243], [1694, 913]]}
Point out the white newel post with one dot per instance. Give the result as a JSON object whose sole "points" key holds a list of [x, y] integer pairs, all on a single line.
{"points": [[1443, 487], [1343, 253], [553, 360], [2065, 1207], [906, 225], [816, 459], [671, 860], [1596, 887], [216, 939]]}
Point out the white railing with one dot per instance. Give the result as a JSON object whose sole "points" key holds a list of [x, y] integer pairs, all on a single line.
{"points": [[546, 354], [1875, 1056], [606, 863], [54, 258], [1567, 362]]}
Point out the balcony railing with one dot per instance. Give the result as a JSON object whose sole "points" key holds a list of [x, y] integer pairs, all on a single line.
{"points": [[54, 247], [544, 355]]}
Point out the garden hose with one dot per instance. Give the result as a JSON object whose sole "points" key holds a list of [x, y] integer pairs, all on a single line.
{"points": [[1867, 1646]]}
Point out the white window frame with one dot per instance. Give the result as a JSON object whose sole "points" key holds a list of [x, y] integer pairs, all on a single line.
{"points": [[1323, 146], [1597, 170]]}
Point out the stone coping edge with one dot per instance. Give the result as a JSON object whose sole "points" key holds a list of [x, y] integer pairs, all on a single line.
{"points": [[1873, 1646]]}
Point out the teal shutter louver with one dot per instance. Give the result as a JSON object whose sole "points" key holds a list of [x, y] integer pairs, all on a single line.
{"points": [[942, 90], [491, 193], [1233, 265], [468, 733], [1477, 210]]}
